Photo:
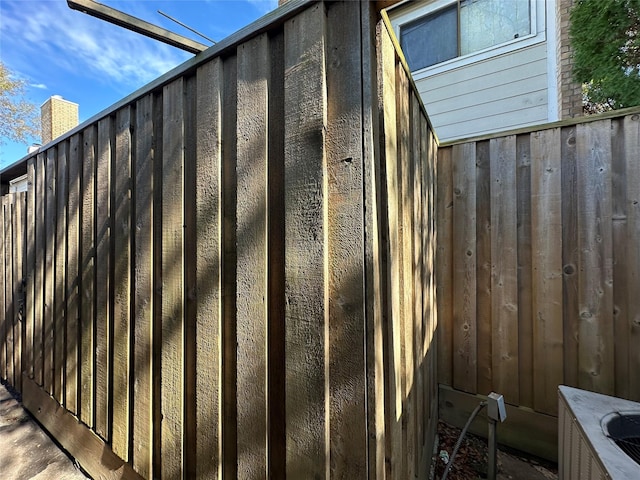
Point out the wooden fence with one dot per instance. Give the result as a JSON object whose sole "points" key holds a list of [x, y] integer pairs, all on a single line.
{"points": [[539, 269], [231, 272]]}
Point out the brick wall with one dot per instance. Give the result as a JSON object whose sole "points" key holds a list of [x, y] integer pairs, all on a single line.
{"points": [[569, 92]]}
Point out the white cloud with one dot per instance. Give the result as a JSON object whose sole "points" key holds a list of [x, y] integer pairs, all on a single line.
{"points": [[264, 6], [39, 86], [80, 43]]}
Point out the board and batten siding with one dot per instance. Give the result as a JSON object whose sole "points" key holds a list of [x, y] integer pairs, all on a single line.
{"points": [[499, 93], [230, 273]]}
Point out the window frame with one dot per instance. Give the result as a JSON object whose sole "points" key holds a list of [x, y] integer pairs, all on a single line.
{"points": [[407, 12]]}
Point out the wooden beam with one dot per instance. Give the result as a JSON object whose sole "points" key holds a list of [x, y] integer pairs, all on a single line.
{"points": [[137, 25]]}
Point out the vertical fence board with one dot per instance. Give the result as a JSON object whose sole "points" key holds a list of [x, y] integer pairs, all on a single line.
{"points": [[5, 312], [570, 248], [504, 268], [102, 286], [172, 278], [595, 293], [229, 204], [88, 221], [72, 363], [19, 229], [49, 270], [208, 267], [30, 268], [251, 278], [142, 400], [464, 268], [484, 186], [344, 236], [632, 154], [525, 318], [60, 272], [38, 330], [122, 286], [391, 246], [546, 259], [305, 202], [444, 264]]}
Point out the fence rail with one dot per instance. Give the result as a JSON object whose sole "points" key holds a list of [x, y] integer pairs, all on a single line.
{"points": [[228, 273], [538, 262]]}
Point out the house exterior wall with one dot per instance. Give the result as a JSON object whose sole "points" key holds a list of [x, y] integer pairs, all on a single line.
{"points": [[58, 116], [522, 83]]}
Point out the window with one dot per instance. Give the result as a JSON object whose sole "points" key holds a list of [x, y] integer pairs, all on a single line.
{"points": [[463, 27]]}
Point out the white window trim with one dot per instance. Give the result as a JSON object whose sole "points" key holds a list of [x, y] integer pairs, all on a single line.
{"points": [[408, 11]]}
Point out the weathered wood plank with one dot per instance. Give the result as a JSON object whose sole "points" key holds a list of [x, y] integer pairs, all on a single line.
{"points": [[504, 268], [72, 364], [141, 433], [172, 279], [305, 201], [30, 269], [595, 292], [88, 222], [208, 392], [39, 214], [444, 262], [546, 259], [60, 310], [251, 278], [464, 268], [405, 207], [229, 238], [122, 286], [18, 226], [391, 246], [484, 257], [49, 270], [620, 259], [344, 224], [5, 279], [525, 316], [103, 287], [632, 153], [87, 448], [275, 262], [570, 247]]}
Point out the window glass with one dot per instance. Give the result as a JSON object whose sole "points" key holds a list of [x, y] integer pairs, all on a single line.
{"points": [[431, 39], [484, 23]]}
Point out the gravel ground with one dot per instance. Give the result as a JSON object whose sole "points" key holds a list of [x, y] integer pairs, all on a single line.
{"points": [[471, 460]]}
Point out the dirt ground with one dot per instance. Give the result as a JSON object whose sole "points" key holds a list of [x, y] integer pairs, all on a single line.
{"points": [[26, 451], [470, 462]]}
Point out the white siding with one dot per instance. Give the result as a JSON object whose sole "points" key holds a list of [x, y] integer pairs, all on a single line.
{"points": [[498, 93]]}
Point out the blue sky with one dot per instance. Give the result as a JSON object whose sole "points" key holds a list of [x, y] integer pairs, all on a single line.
{"points": [[59, 51]]}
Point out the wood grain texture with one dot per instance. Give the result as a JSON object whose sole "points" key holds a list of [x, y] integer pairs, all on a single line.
{"points": [[172, 278], [525, 318], [251, 277], [444, 264], [60, 309], [121, 231], [88, 329], [595, 292], [38, 331], [142, 294], [5, 279], [464, 268], [391, 245], [546, 260], [306, 316], [632, 153], [48, 324], [344, 237], [570, 247], [208, 392], [30, 267], [485, 256], [504, 268], [19, 259], [72, 337], [103, 287]]}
